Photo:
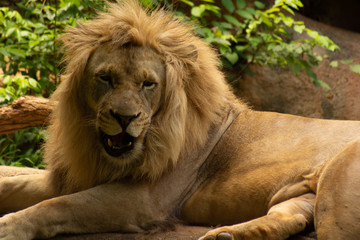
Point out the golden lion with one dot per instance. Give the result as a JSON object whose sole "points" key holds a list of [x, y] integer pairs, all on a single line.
{"points": [[147, 130]]}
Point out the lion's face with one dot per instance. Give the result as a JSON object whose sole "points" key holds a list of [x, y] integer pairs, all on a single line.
{"points": [[124, 92]]}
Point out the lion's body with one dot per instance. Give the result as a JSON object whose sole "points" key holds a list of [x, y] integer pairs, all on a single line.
{"points": [[147, 130], [257, 171]]}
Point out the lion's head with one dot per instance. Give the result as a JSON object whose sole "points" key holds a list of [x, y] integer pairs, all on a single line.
{"points": [[123, 91], [139, 91]]}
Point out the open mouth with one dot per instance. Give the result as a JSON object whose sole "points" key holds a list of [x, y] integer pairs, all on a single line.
{"points": [[117, 145]]}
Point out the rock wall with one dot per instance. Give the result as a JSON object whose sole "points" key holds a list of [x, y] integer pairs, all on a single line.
{"points": [[281, 91]]}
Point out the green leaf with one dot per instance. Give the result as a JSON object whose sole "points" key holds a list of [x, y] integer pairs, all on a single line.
{"points": [[213, 8], [333, 47], [251, 10], [4, 52], [7, 80], [296, 67], [324, 85], [232, 20], [259, 4], [244, 14], [266, 20], [355, 68], [313, 76], [198, 11], [299, 28], [223, 25], [288, 21], [9, 32], [147, 3], [218, 41], [288, 9], [334, 63], [312, 33], [34, 84], [241, 48], [272, 10], [34, 43], [229, 5], [312, 60], [347, 61], [39, 30], [16, 52], [241, 4], [190, 3], [232, 57], [223, 49], [204, 32]]}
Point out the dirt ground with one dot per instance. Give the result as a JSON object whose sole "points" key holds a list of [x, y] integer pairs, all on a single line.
{"points": [[181, 233]]}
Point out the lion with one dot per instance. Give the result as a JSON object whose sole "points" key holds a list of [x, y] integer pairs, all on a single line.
{"points": [[147, 131]]}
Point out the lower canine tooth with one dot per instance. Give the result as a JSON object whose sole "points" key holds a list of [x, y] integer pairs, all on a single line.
{"points": [[109, 142]]}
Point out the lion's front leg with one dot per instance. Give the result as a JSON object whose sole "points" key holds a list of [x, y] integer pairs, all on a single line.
{"points": [[283, 220], [105, 208], [22, 187]]}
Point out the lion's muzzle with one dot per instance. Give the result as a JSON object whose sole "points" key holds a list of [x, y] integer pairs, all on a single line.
{"points": [[121, 143], [117, 145], [124, 120]]}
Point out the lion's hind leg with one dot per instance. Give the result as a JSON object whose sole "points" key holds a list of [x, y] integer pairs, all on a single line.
{"points": [[337, 207], [283, 220]]}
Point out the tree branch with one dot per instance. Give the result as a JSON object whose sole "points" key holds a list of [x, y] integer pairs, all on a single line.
{"points": [[25, 112]]}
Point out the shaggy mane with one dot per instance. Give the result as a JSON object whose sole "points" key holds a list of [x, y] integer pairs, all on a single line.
{"points": [[196, 95]]}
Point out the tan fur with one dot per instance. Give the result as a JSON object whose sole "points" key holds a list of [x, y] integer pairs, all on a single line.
{"points": [[190, 106], [142, 79]]}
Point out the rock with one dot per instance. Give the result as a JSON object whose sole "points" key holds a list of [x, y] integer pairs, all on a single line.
{"points": [[281, 91]]}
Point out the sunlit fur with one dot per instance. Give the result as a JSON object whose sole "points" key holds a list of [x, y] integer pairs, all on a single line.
{"points": [[195, 95]]}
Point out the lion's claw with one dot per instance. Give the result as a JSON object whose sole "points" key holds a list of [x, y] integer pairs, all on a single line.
{"points": [[224, 236], [219, 236]]}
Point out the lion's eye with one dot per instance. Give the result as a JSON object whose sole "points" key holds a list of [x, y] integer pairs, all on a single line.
{"points": [[104, 78], [149, 84]]}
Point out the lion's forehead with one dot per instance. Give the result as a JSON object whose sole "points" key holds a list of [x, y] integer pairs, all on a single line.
{"points": [[127, 64], [128, 59]]}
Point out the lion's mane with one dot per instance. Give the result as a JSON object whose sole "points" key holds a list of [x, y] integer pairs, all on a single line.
{"points": [[196, 94]]}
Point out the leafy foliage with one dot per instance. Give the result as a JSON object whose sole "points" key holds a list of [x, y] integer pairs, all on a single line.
{"points": [[17, 86], [252, 34], [28, 45], [29, 57], [22, 148], [355, 68]]}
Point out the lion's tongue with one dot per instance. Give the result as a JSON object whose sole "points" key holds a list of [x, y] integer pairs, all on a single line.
{"points": [[119, 141]]}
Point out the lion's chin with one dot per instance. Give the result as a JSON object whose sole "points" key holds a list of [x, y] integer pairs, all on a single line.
{"points": [[117, 145]]}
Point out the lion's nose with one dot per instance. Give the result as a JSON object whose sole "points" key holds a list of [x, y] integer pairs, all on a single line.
{"points": [[124, 120]]}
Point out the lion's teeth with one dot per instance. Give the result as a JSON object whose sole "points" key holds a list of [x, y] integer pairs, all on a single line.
{"points": [[114, 146], [109, 142]]}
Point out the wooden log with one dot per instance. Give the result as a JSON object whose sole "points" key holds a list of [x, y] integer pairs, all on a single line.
{"points": [[25, 112]]}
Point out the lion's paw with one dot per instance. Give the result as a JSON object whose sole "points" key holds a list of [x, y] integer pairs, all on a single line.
{"points": [[223, 233], [244, 231], [11, 229]]}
